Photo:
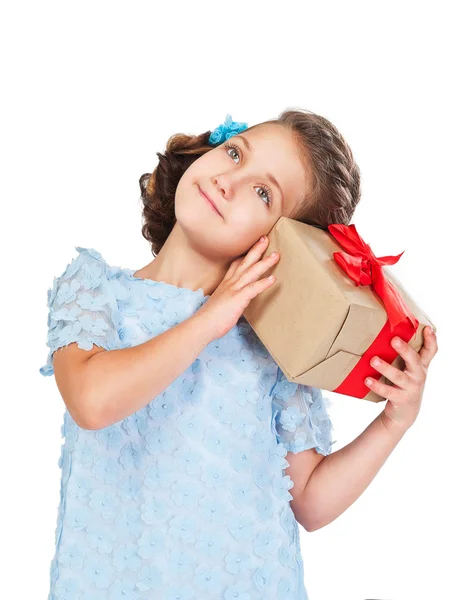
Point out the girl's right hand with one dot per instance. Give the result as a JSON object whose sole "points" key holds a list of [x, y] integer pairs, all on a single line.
{"points": [[239, 286]]}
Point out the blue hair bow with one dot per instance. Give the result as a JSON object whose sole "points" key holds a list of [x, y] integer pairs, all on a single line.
{"points": [[226, 130]]}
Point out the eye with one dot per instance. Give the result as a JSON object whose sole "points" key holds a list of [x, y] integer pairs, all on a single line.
{"points": [[229, 146], [238, 151]]}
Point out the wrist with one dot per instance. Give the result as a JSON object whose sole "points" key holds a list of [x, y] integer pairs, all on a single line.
{"points": [[391, 426], [202, 326]]}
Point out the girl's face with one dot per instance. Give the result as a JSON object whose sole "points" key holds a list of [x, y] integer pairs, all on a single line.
{"points": [[239, 176]]}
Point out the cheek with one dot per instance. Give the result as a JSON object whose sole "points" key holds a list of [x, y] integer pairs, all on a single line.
{"points": [[230, 246], [242, 231], [248, 221], [187, 196]]}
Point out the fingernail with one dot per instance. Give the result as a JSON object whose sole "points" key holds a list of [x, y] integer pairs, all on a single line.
{"points": [[261, 239], [396, 342]]}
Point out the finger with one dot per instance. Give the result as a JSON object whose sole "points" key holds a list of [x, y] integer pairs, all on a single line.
{"points": [[252, 256], [384, 390], [258, 248], [256, 287], [395, 375], [429, 348], [255, 271], [409, 355]]}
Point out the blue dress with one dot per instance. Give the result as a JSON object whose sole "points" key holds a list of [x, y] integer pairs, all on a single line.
{"points": [[187, 498]]}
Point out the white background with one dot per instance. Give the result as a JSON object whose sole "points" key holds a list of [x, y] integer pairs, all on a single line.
{"points": [[91, 91]]}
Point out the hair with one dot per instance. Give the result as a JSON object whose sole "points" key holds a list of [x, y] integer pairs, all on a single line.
{"points": [[331, 196]]}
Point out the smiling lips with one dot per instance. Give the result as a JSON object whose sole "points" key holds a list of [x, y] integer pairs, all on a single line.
{"points": [[209, 201]]}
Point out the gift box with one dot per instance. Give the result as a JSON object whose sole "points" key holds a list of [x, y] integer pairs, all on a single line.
{"points": [[334, 305]]}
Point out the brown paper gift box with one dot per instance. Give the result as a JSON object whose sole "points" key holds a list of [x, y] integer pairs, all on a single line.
{"points": [[314, 320]]}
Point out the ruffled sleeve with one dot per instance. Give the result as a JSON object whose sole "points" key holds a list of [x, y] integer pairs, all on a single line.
{"points": [[300, 416], [82, 307]]}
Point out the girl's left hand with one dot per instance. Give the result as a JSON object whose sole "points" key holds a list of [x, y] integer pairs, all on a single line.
{"points": [[404, 398]]}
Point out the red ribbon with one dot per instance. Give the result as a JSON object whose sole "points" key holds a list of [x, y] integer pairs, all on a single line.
{"points": [[364, 268]]}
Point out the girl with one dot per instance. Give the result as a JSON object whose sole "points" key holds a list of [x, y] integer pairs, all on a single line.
{"points": [[182, 436]]}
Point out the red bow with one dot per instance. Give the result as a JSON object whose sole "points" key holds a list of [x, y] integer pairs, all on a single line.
{"points": [[364, 268]]}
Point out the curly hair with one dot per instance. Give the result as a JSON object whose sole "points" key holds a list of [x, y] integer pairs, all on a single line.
{"points": [[331, 197]]}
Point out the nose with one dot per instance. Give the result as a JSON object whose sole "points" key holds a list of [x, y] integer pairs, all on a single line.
{"points": [[221, 187]]}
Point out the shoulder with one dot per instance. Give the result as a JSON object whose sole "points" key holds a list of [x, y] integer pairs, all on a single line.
{"points": [[87, 259], [86, 276], [82, 306]]}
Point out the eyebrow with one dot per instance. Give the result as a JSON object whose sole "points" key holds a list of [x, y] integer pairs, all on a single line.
{"points": [[269, 176]]}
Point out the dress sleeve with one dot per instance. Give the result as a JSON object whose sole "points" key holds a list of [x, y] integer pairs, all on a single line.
{"points": [[300, 417], [82, 307]]}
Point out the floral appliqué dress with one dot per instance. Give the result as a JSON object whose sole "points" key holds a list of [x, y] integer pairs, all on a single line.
{"points": [[186, 498]]}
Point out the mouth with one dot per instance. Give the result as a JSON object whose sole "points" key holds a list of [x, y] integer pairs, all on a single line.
{"points": [[209, 201]]}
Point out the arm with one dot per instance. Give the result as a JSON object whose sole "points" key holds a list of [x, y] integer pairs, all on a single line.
{"points": [[341, 477], [100, 381], [344, 475], [118, 383], [301, 467]]}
